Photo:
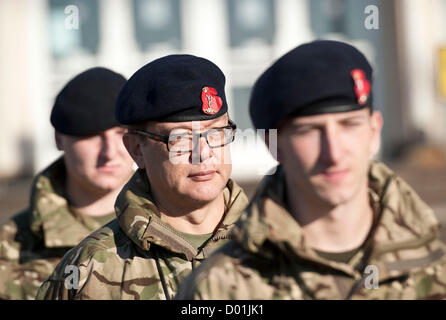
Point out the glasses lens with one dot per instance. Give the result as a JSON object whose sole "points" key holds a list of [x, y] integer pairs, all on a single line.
{"points": [[215, 138], [220, 137], [180, 143]]}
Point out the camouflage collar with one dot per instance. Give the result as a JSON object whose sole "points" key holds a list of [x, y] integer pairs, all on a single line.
{"points": [[404, 221], [141, 221], [51, 218]]}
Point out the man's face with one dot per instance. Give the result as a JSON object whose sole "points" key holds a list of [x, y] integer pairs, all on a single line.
{"points": [[99, 163], [326, 157], [197, 177]]}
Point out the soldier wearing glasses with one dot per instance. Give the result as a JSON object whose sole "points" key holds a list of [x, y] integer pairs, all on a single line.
{"points": [[329, 223], [179, 205]]}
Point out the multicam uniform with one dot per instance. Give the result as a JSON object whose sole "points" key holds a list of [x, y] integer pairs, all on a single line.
{"points": [[269, 258], [138, 256], [34, 241]]}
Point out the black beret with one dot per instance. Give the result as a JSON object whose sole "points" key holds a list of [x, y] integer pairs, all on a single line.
{"points": [[173, 88], [85, 106], [318, 77]]}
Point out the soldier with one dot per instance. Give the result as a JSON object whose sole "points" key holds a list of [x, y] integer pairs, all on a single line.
{"points": [[179, 205], [74, 195], [330, 223]]}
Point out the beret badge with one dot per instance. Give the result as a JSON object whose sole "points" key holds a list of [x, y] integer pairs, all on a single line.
{"points": [[361, 86], [211, 101]]}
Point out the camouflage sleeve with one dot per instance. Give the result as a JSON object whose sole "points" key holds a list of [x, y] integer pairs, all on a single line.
{"points": [[205, 282], [54, 289], [217, 279], [188, 288], [18, 279], [9, 261], [223, 277], [65, 281], [85, 272]]}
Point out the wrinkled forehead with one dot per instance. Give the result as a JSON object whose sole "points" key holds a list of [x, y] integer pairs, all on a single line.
{"points": [[167, 127]]}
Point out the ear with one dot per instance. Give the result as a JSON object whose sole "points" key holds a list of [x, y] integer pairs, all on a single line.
{"points": [[133, 145], [58, 139], [376, 126]]}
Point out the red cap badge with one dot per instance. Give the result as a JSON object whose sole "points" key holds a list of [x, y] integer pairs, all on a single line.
{"points": [[361, 86], [211, 102]]}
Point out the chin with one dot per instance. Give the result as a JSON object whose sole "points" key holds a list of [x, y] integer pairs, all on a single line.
{"points": [[205, 194], [107, 184], [208, 196], [334, 198]]}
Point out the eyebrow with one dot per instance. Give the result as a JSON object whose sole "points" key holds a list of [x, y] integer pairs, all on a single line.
{"points": [[188, 128], [313, 123], [355, 117]]}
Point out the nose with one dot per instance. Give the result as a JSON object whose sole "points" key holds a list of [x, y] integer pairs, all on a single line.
{"points": [[109, 146], [201, 152], [331, 145]]}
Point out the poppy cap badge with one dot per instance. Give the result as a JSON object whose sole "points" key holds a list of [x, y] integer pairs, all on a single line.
{"points": [[361, 86], [211, 101]]}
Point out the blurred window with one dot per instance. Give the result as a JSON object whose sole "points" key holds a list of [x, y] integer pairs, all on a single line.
{"points": [[240, 108], [327, 16], [339, 16], [157, 22], [251, 21], [74, 26]]}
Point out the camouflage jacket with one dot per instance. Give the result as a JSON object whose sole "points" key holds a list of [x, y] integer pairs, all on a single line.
{"points": [[34, 241], [402, 258], [138, 255]]}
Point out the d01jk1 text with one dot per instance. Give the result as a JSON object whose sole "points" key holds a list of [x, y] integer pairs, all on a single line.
{"points": [[243, 310]]}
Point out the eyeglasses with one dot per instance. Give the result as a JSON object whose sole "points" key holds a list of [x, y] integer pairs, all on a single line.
{"points": [[186, 142]]}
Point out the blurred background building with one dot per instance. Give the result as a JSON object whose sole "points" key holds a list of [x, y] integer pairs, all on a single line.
{"points": [[44, 43]]}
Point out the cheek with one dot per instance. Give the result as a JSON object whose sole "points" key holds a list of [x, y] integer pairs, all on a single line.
{"points": [[162, 169], [359, 143], [225, 170], [300, 152], [374, 144], [122, 151], [82, 155], [222, 157], [127, 160]]}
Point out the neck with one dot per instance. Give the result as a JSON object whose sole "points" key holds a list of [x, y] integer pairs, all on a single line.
{"points": [[194, 219], [90, 202], [330, 228]]}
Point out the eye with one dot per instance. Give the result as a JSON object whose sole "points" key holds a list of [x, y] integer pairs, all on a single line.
{"points": [[122, 132], [302, 130], [179, 132], [352, 123], [180, 137]]}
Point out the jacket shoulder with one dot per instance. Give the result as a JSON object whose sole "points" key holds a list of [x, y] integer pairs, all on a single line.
{"points": [[103, 242], [102, 264], [229, 273]]}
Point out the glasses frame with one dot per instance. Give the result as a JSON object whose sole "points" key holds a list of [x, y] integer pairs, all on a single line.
{"points": [[165, 139]]}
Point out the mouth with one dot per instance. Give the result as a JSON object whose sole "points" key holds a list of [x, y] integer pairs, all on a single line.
{"points": [[203, 175], [108, 168], [335, 175]]}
